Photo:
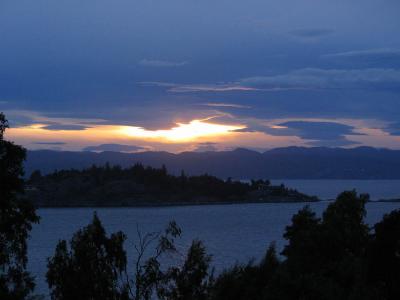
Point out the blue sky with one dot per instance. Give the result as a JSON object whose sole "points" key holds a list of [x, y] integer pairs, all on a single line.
{"points": [[307, 73]]}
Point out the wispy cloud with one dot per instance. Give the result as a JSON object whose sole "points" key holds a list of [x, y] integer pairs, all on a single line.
{"points": [[228, 105], [210, 88], [206, 147], [116, 148], [161, 63], [194, 88], [22, 118], [309, 34], [342, 142], [393, 129], [65, 127], [326, 78], [301, 79], [50, 143], [380, 52]]}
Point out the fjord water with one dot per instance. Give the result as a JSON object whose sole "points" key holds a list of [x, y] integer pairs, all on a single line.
{"points": [[329, 189], [231, 233]]}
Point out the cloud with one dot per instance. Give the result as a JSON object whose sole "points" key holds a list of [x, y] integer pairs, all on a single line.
{"points": [[301, 79], [210, 88], [115, 148], [333, 143], [19, 121], [228, 105], [316, 133], [313, 129], [380, 57], [65, 127], [306, 79], [51, 121], [194, 88], [311, 33], [381, 52], [321, 133], [314, 78], [50, 143], [393, 129], [206, 147], [161, 63]]}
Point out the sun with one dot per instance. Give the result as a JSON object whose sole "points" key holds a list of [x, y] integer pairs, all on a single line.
{"points": [[182, 132]]}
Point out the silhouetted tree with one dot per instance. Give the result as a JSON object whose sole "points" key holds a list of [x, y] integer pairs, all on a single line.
{"points": [[302, 236], [384, 258], [250, 281], [35, 176], [190, 281], [16, 219], [325, 258], [92, 266], [152, 247]]}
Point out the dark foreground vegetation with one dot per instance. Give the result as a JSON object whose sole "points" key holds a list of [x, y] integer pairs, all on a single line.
{"points": [[139, 185], [16, 218], [335, 256]]}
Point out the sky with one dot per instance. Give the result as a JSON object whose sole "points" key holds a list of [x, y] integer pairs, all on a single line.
{"points": [[187, 75]]}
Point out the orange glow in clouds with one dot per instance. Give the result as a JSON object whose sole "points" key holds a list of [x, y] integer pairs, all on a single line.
{"points": [[194, 131], [182, 132]]}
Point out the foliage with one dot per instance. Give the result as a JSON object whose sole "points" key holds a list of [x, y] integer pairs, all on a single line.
{"points": [[139, 185], [384, 257], [93, 267], [324, 257], [191, 281], [333, 257], [148, 272], [250, 281], [16, 219]]}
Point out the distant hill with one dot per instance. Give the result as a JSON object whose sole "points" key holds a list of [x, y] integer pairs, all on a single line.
{"points": [[279, 163]]}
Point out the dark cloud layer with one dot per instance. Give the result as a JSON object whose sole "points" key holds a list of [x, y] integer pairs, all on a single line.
{"points": [[65, 127], [206, 147], [321, 133], [393, 129], [318, 130], [50, 143]]}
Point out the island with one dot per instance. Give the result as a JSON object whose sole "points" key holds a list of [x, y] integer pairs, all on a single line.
{"points": [[113, 186]]}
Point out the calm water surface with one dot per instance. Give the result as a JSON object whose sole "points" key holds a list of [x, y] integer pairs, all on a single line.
{"points": [[328, 189], [231, 233]]}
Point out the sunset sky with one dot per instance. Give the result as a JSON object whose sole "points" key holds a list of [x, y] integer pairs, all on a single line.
{"points": [[188, 75]]}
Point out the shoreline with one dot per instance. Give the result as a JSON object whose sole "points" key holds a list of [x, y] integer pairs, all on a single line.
{"points": [[183, 204], [173, 204]]}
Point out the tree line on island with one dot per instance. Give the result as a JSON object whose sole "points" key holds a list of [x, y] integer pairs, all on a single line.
{"points": [[335, 256], [138, 185]]}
